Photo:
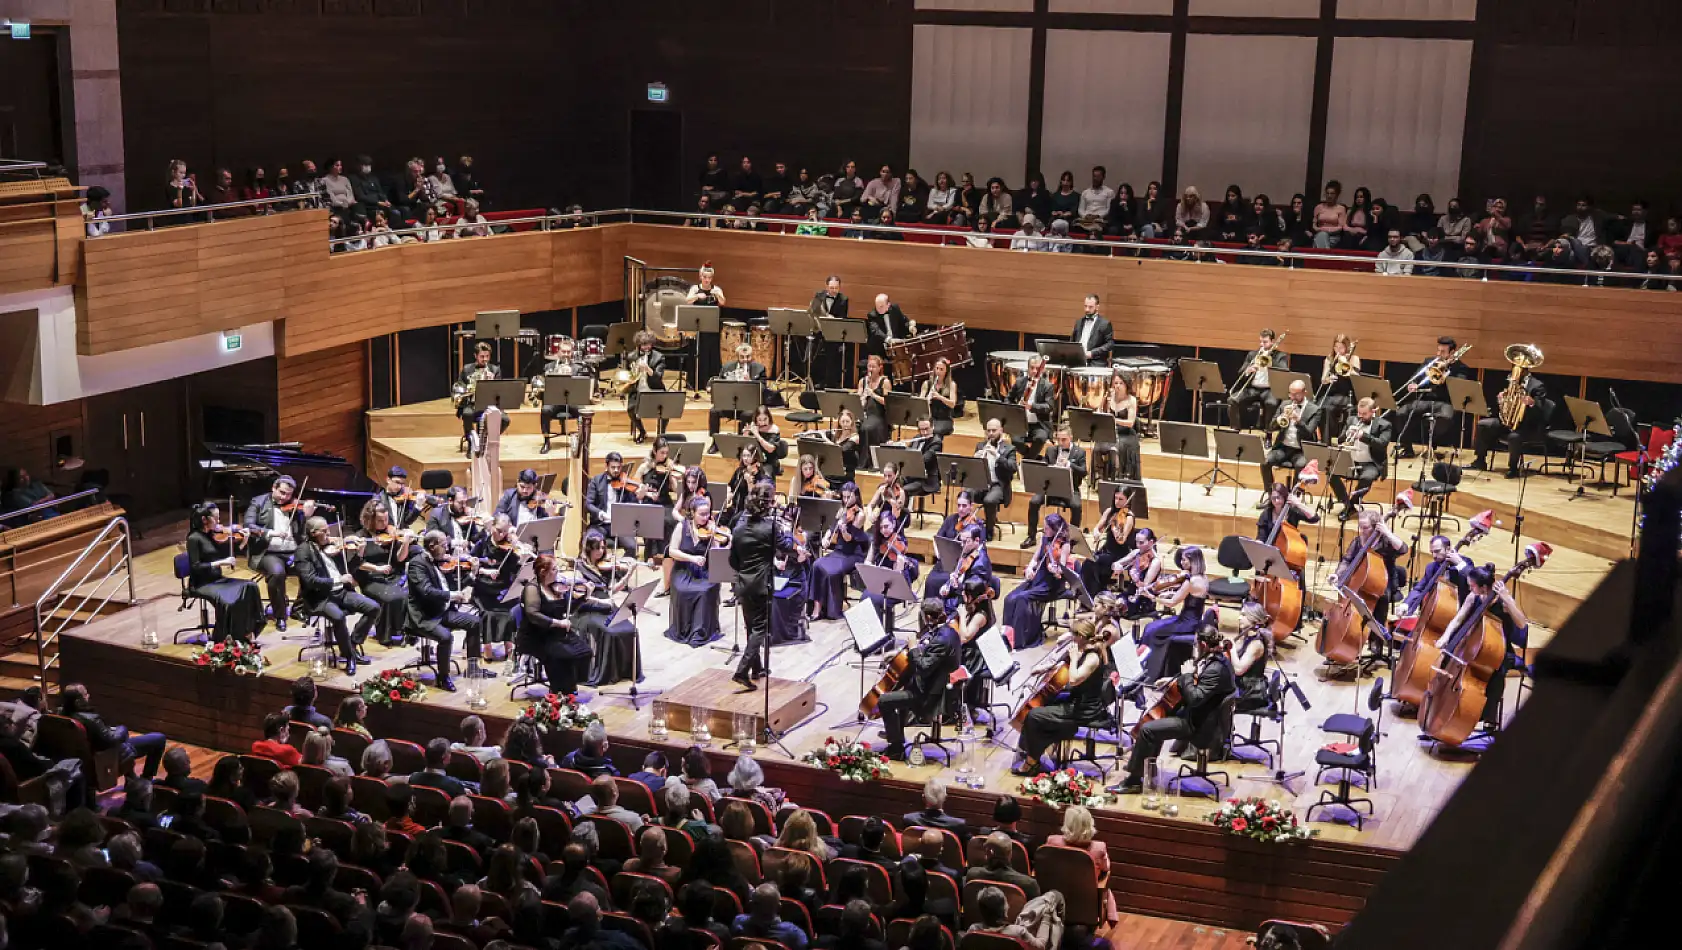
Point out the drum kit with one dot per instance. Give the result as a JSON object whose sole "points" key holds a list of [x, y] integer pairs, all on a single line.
{"points": [[1085, 387]]}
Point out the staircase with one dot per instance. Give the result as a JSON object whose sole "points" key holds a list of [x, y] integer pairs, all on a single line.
{"points": [[98, 582]]}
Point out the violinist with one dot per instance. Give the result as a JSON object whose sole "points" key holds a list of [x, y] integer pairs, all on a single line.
{"points": [[1084, 651], [457, 519], [973, 564], [380, 565], [648, 371], [1282, 503], [793, 566], [237, 605], [1487, 587], [1000, 455], [1034, 392], [401, 504], [888, 549], [615, 645], [743, 369], [610, 487], [275, 522], [963, 515], [465, 387], [749, 472], [929, 443], [973, 615], [1063, 454], [762, 428], [328, 589], [890, 495], [695, 598], [844, 547], [1136, 574], [1045, 579], [941, 390], [524, 502], [1111, 541], [693, 486], [547, 630], [1295, 421], [845, 435], [562, 363], [1189, 596], [1367, 439], [657, 484], [1202, 690], [921, 690], [437, 613], [806, 482], [873, 392], [497, 561]]}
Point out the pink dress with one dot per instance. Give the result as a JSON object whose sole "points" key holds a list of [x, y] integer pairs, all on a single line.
{"points": [[1100, 861]]}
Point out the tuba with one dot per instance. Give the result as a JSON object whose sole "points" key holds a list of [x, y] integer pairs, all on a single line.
{"points": [[1524, 357]]}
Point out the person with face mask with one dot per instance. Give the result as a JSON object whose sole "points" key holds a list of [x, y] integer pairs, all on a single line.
{"points": [[439, 177], [370, 192]]}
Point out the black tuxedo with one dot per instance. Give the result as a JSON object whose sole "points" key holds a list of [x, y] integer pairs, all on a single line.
{"points": [[753, 547], [324, 598], [1102, 342], [597, 494], [1428, 414], [1279, 451], [1532, 427], [433, 615], [924, 685], [273, 565], [1250, 395], [1077, 472], [823, 306], [997, 492], [442, 520], [877, 327], [825, 372], [1202, 690], [1040, 404]]}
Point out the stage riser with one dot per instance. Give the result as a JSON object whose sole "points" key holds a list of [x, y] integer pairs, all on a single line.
{"points": [[1161, 867], [412, 422]]}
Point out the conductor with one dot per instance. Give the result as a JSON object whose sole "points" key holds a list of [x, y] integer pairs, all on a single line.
{"points": [[753, 548]]}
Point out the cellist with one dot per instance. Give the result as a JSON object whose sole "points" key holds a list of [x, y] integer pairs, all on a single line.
{"points": [[1202, 689], [1486, 587], [1085, 648], [1282, 507], [923, 686]]}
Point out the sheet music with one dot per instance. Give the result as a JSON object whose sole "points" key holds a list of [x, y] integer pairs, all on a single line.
{"points": [[866, 627], [995, 654], [1126, 656]]}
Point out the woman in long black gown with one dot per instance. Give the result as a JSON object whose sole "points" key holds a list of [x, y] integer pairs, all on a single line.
{"points": [[547, 631], [873, 395], [975, 616], [788, 604], [658, 485], [763, 430], [1087, 704], [847, 542], [499, 564], [616, 655], [694, 618], [941, 390], [1111, 541], [693, 485], [887, 549], [379, 568], [1046, 583], [236, 603]]}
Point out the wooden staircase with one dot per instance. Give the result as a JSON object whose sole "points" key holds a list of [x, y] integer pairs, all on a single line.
{"points": [[93, 579]]}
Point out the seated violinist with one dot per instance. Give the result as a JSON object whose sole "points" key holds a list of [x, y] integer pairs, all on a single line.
{"points": [[611, 487], [973, 564], [1202, 690], [328, 589], [437, 613], [379, 564], [1136, 574], [457, 519], [921, 688], [1111, 541], [1084, 652], [237, 606], [1189, 596], [887, 549], [1045, 579], [275, 522], [963, 515], [402, 506], [499, 557], [695, 598], [750, 471], [524, 502], [793, 563], [890, 495]]}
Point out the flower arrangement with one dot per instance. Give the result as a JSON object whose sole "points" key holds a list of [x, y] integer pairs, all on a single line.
{"points": [[243, 658], [556, 711], [851, 759], [391, 686], [1064, 787], [1260, 819]]}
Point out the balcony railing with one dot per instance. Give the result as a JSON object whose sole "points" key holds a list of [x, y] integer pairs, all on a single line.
{"points": [[198, 214]]}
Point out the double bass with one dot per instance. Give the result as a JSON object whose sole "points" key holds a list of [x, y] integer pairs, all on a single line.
{"points": [[1343, 632], [1459, 689], [1282, 601], [1419, 633]]}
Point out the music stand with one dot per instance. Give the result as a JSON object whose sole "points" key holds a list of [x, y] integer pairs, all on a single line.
{"points": [[730, 444], [832, 464], [788, 322], [541, 533], [686, 453], [739, 397], [629, 609], [1280, 380], [1587, 417], [621, 339], [1061, 352], [1187, 440], [1088, 426], [718, 493], [998, 666], [1376, 388], [505, 394], [947, 551], [1465, 396], [817, 514], [868, 636], [1049, 482], [904, 409], [832, 401], [497, 325], [660, 405], [629, 521], [697, 319], [1200, 376], [887, 582], [908, 461], [1013, 417], [720, 571], [1266, 560], [1138, 501], [844, 330], [570, 391], [966, 471]]}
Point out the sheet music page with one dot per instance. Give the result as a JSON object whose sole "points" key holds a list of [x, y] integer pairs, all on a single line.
{"points": [[995, 653], [1126, 656], [865, 625]]}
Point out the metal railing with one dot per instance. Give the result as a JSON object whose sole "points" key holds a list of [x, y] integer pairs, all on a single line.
{"points": [[420, 233], [49, 503], [19, 167], [112, 556], [208, 212]]}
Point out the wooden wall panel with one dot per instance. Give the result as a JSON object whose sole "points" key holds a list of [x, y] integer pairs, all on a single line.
{"points": [[451, 280], [40, 234], [322, 399], [350, 297], [25, 432]]}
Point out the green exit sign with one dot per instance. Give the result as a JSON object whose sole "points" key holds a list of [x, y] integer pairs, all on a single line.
{"points": [[232, 342]]}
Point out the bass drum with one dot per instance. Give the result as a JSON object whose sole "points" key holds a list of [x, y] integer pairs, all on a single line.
{"points": [[1085, 387], [1147, 378]]}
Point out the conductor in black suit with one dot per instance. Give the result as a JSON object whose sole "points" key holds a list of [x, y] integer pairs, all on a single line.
{"points": [[1368, 441], [1258, 388], [885, 324], [742, 369], [1300, 417], [753, 548], [1202, 689], [435, 611], [1094, 334], [923, 686], [328, 590]]}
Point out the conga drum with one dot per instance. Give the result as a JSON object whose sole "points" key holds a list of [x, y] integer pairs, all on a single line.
{"points": [[731, 334], [764, 344]]}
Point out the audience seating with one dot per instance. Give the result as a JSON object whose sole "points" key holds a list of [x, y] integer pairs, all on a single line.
{"points": [[463, 858], [815, 878], [726, 905], [899, 932], [332, 832], [977, 940], [406, 757], [367, 795], [625, 885], [796, 913], [636, 796], [432, 805], [746, 860], [463, 766], [969, 914], [679, 847], [267, 823], [763, 824], [568, 785], [259, 771], [63, 737], [316, 927], [880, 885], [554, 828], [350, 877], [615, 837], [1073, 872], [951, 850], [492, 816], [312, 781], [975, 852]]}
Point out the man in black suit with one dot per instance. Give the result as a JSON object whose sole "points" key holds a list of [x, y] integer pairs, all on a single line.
{"points": [[885, 324], [1063, 454], [1036, 393], [1094, 334], [516, 502], [435, 611], [454, 518], [1285, 449], [458, 826], [828, 302], [562, 362], [1202, 689], [275, 536], [302, 710], [328, 591], [480, 369], [600, 493], [930, 444], [1368, 441], [1427, 411], [648, 369], [753, 548], [1000, 455], [1258, 388], [1532, 428], [933, 814], [741, 369], [401, 506], [434, 776], [869, 847], [923, 686], [78, 706]]}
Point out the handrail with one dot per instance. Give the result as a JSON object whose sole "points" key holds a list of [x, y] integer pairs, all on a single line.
{"points": [[50, 503], [119, 535], [546, 222], [304, 201]]}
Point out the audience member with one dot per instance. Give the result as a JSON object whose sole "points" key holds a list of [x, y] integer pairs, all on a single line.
{"points": [[934, 813], [591, 755], [764, 919], [1078, 832], [434, 776], [473, 741], [79, 706], [606, 797], [651, 857], [931, 848], [653, 772], [276, 741]]}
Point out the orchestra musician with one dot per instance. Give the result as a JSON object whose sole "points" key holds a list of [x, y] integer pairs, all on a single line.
{"points": [[707, 293], [694, 486], [1000, 454], [614, 646], [463, 526], [1375, 535], [885, 324], [1367, 440], [1338, 378], [275, 524], [1532, 428], [929, 443], [963, 515], [1121, 457], [1446, 564], [743, 369], [845, 435], [480, 369], [890, 495], [437, 613], [973, 564], [749, 472], [1085, 651], [1281, 502], [941, 390], [844, 547], [793, 566], [327, 589], [648, 374], [1294, 421], [237, 606], [936, 655], [1258, 388], [1137, 573], [1202, 690], [609, 487], [806, 482], [1094, 333], [498, 558], [1111, 541], [887, 548], [695, 598], [762, 428], [1485, 586], [873, 396], [380, 566], [562, 363], [402, 505], [753, 549], [547, 630], [1064, 454], [1249, 661], [828, 302], [657, 485], [1045, 579], [1189, 596], [1035, 393], [1427, 410], [973, 614], [524, 502]]}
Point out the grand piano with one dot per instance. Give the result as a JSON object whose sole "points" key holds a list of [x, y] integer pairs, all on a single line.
{"points": [[244, 471]]}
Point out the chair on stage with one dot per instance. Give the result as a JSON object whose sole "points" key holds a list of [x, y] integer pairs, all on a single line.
{"points": [[1357, 757], [1212, 737], [183, 569]]}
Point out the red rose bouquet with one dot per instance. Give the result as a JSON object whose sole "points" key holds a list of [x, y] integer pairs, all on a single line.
{"points": [[849, 758], [556, 711], [243, 658], [391, 686], [1064, 787], [1260, 819]]}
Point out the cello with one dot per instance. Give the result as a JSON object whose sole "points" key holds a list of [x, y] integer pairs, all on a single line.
{"points": [[1282, 601], [1343, 632], [1459, 689], [1050, 678], [1419, 633]]}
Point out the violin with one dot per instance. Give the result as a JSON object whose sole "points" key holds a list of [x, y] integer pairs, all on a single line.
{"points": [[222, 534], [623, 482], [459, 562]]}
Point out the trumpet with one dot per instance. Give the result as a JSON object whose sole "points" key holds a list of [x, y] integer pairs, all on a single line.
{"points": [[1289, 415], [1356, 432]]}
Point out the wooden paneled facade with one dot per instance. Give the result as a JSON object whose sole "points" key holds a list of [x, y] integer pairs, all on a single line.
{"points": [[322, 396], [40, 234]]}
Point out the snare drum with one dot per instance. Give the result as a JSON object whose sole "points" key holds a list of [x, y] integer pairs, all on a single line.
{"points": [[1147, 378], [1085, 387], [731, 334], [594, 348], [552, 345]]}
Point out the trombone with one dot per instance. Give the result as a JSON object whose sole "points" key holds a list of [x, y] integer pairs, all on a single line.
{"points": [[1342, 367], [1436, 371], [1261, 361]]}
